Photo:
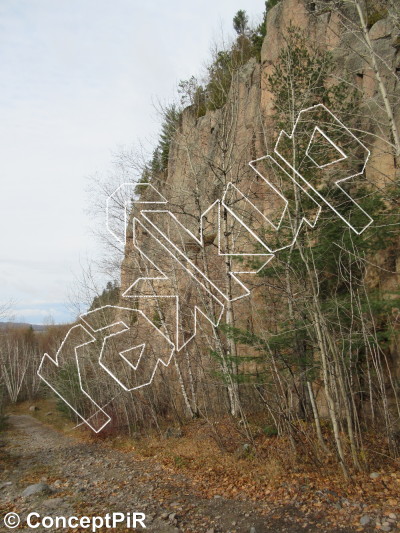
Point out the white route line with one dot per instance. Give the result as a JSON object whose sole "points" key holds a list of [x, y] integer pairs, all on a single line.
{"points": [[84, 318], [195, 272], [163, 276], [132, 188], [55, 362], [337, 182]]}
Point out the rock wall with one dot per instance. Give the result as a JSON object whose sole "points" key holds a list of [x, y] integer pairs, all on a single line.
{"points": [[202, 149]]}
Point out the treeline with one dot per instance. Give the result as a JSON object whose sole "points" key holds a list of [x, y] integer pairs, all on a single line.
{"points": [[311, 354], [21, 350]]}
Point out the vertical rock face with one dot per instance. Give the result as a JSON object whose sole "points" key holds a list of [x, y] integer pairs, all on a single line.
{"points": [[196, 150], [253, 102], [210, 151]]}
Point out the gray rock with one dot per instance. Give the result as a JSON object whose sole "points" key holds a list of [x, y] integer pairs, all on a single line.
{"points": [[365, 520], [380, 29], [53, 503], [49, 413], [33, 408], [5, 484], [385, 527], [374, 475], [37, 488], [212, 530], [393, 516], [252, 530]]}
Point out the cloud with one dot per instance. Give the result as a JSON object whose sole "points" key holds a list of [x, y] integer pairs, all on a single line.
{"points": [[79, 78]]}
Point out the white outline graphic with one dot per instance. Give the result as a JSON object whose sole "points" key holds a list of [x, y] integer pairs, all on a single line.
{"points": [[337, 148], [178, 345], [337, 182], [148, 224], [132, 187], [160, 360], [56, 362], [278, 226]]}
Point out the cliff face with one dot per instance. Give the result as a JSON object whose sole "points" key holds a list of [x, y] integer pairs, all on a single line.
{"points": [[197, 145], [209, 152]]}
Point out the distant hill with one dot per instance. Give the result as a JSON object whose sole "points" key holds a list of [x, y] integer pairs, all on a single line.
{"points": [[35, 327]]}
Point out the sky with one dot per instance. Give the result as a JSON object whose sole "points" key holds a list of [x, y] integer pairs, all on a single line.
{"points": [[78, 80]]}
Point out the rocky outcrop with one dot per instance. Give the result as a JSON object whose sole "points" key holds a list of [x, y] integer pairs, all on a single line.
{"points": [[201, 160]]}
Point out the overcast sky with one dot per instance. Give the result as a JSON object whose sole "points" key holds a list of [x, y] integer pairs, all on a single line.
{"points": [[78, 79]]}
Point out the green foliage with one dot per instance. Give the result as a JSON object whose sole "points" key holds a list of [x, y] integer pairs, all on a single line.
{"points": [[109, 296], [220, 79], [270, 431], [193, 94], [214, 93], [241, 22], [222, 70], [171, 118], [376, 15], [180, 462], [157, 319], [258, 35], [331, 255], [269, 4], [299, 80], [67, 384], [224, 65], [376, 10], [146, 175]]}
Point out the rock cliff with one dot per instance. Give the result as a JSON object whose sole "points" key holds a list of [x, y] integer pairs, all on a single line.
{"points": [[210, 151]]}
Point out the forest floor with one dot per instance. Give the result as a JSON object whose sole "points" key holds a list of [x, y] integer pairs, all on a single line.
{"points": [[92, 478]]}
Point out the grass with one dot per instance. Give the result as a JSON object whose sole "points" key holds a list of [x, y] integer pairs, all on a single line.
{"points": [[45, 406]]}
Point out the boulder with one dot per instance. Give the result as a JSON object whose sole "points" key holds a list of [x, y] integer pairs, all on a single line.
{"points": [[37, 488], [380, 30]]}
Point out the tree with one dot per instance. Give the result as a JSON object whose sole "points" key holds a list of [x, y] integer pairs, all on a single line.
{"points": [[241, 22], [171, 117]]}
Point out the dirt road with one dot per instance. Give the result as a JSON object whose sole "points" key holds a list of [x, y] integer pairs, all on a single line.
{"points": [[89, 479]]}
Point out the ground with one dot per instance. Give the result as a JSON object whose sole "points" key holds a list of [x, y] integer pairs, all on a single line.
{"points": [[90, 478]]}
